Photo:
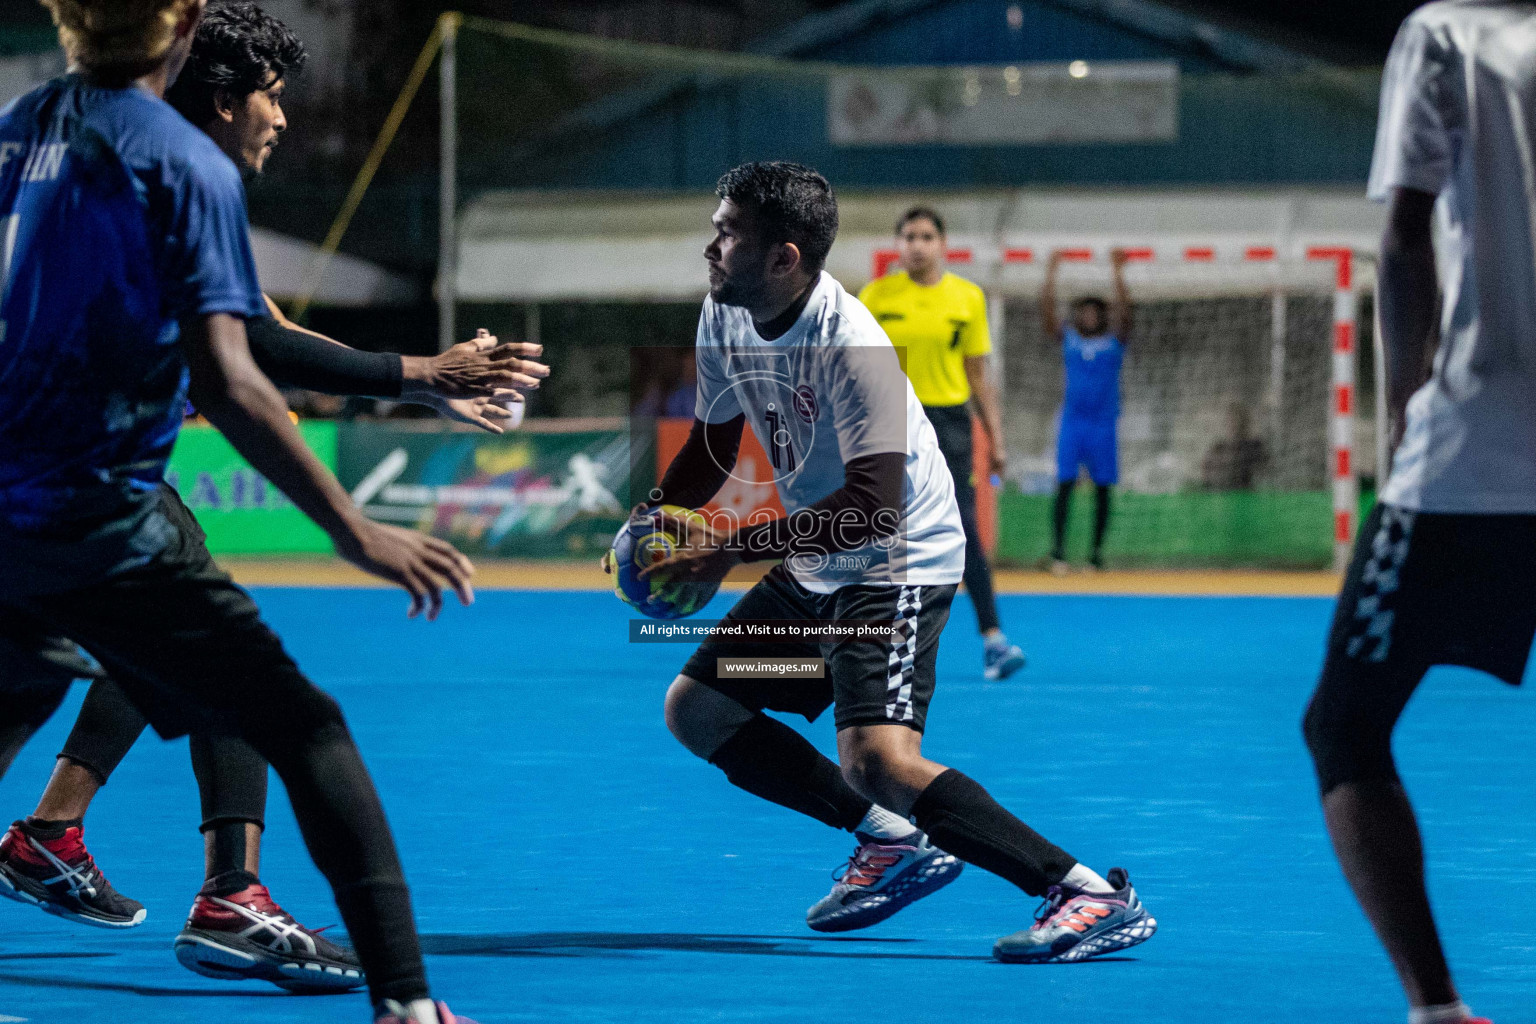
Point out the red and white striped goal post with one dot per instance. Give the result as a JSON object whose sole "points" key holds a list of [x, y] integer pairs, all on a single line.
{"points": [[1343, 397]]}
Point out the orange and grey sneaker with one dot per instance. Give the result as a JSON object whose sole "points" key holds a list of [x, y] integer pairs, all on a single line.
{"points": [[51, 869], [235, 931], [1076, 925], [881, 877]]}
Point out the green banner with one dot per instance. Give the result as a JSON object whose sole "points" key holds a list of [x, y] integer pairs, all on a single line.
{"points": [[520, 495], [239, 510]]}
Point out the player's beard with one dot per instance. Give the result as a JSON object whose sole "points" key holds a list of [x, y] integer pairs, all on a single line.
{"points": [[743, 288]]}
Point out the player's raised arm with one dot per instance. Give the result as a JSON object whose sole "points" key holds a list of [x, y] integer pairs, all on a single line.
{"points": [[1050, 317], [229, 389], [1407, 299], [1120, 305]]}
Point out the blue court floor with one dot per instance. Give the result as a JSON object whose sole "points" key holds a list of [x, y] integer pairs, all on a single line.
{"points": [[571, 863]]}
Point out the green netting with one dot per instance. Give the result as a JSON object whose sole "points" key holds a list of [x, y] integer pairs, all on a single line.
{"points": [[1192, 530]]}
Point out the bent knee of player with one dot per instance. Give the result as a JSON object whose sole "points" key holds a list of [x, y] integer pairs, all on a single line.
{"points": [[1346, 747], [876, 764], [700, 718]]}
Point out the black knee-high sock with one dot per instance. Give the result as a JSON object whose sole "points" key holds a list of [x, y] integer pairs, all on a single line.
{"points": [[960, 817], [1100, 516], [767, 758], [1059, 517]]}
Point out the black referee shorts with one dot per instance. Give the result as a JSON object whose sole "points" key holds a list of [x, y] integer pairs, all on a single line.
{"points": [[871, 682], [1423, 589]]}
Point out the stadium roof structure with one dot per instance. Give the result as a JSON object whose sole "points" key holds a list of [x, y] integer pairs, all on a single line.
{"points": [[1250, 109], [1180, 30], [585, 246]]}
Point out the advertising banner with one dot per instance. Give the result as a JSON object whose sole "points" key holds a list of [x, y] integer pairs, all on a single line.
{"points": [[527, 494], [239, 510]]}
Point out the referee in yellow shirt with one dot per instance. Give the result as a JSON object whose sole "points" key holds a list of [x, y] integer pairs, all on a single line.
{"points": [[941, 321]]}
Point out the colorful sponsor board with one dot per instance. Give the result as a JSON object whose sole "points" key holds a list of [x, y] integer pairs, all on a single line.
{"points": [[749, 488], [528, 494], [241, 512]]}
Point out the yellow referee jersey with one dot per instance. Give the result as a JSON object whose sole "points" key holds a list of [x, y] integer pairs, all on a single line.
{"points": [[938, 325]]}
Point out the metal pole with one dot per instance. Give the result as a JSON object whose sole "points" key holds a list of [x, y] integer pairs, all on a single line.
{"points": [[1276, 397], [448, 176], [1346, 484], [532, 329]]}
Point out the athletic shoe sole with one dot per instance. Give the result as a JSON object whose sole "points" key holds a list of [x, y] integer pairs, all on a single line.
{"points": [[902, 893], [24, 890], [231, 958], [1131, 933]]}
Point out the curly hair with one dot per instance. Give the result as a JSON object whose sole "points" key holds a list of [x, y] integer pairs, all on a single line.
{"points": [[131, 36], [239, 49], [792, 203]]}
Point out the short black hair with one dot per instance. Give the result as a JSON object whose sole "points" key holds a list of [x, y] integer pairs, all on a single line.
{"points": [[239, 48], [1093, 300], [792, 202], [921, 213]]}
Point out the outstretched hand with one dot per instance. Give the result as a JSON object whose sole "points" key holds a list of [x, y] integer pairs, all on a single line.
{"points": [[478, 368], [421, 564], [496, 414]]}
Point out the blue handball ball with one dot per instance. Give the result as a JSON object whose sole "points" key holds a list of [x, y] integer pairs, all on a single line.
{"points": [[641, 542]]}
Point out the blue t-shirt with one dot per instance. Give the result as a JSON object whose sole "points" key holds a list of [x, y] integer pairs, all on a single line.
{"points": [[1093, 375], [118, 218]]}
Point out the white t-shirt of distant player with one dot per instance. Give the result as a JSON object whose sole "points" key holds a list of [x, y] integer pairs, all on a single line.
{"points": [[1458, 116], [830, 390]]}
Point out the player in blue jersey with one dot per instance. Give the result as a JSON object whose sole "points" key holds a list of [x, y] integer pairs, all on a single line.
{"points": [[1093, 348], [128, 278], [232, 89]]}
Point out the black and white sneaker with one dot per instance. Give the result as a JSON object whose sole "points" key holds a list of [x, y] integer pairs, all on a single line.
{"points": [[52, 870], [235, 931]]}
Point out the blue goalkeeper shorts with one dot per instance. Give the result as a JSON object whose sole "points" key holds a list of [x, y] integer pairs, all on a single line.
{"points": [[1091, 443]]}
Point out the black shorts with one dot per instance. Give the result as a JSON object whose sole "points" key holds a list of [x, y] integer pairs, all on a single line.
{"points": [[1423, 589], [1429, 588], [871, 682], [182, 640], [34, 655]]}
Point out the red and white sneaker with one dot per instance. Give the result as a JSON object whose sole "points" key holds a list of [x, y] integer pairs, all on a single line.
{"points": [[392, 1012], [239, 933], [53, 871]]}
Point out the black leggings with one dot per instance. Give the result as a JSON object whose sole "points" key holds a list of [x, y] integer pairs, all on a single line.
{"points": [[952, 425], [231, 776], [1063, 509], [189, 650]]}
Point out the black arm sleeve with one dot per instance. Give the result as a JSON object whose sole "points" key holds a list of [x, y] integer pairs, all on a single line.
{"points": [[705, 462], [866, 507], [297, 360]]}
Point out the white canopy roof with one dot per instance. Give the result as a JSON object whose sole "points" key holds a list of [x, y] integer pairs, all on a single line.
{"points": [[284, 264], [526, 246]]}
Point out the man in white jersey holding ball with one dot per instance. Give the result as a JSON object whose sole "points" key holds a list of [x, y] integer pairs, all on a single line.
{"points": [[873, 534], [1443, 568]]}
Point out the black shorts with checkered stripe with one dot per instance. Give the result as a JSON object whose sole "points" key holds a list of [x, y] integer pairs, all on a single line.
{"points": [[870, 682], [1423, 589]]}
